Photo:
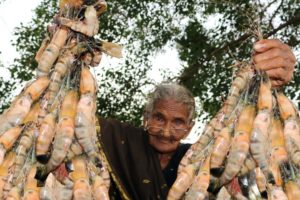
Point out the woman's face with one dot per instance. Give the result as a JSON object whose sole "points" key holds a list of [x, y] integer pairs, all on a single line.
{"points": [[167, 125]]}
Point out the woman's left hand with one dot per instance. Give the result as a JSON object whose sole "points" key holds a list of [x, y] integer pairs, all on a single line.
{"points": [[276, 59]]}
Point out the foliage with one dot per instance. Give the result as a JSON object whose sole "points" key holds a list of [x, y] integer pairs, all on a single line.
{"points": [[5, 88], [144, 27], [29, 38], [230, 41]]}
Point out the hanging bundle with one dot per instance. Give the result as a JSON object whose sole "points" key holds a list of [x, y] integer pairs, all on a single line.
{"points": [[48, 142], [251, 146]]}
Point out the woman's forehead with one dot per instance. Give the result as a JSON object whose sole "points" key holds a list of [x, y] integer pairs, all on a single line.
{"points": [[171, 107]]}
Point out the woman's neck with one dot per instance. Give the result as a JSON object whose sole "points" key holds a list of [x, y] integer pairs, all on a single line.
{"points": [[164, 159]]}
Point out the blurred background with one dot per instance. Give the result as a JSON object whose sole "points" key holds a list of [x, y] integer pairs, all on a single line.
{"points": [[194, 42]]}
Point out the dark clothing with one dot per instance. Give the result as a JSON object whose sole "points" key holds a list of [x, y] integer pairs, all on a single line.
{"points": [[134, 164], [170, 172]]}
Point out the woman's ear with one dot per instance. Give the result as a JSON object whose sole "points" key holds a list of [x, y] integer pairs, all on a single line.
{"points": [[145, 122], [191, 125]]}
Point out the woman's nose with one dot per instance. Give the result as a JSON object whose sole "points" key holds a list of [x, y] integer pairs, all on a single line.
{"points": [[167, 130]]}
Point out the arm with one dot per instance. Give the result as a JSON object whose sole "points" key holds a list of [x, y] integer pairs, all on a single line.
{"points": [[277, 59]]}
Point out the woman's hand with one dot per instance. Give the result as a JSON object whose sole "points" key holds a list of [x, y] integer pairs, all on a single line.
{"points": [[276, 59]]}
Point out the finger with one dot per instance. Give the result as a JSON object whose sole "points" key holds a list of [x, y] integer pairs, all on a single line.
{"points": [[277, 74], [277, 83], [280, 74], [275, 48], [270, 54], [266, 44], [277, 62]]}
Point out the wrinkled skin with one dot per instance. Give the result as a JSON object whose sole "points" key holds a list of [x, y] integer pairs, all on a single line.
{"points": [[167, 114], [276, 58]]}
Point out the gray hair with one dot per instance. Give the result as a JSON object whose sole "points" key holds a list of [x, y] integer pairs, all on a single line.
{"points": [[174, 91]]}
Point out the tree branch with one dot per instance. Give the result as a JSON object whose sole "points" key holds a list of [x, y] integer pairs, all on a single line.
{"points": [[267, 6], [187, 74], [274, 14], [293, 21]]}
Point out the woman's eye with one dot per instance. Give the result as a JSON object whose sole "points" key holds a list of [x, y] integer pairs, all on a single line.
{"points": [[178, 122], [158, 118]]}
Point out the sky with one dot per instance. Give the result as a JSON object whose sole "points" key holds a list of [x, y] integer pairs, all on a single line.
{"points": [[14, 12], [9, 20], [12, 16]]}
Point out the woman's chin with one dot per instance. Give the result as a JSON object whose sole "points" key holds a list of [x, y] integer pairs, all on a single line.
{"points": [[163, 145]]}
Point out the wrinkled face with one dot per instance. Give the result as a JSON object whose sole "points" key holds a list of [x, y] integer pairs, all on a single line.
{"points": [[167, 125]]}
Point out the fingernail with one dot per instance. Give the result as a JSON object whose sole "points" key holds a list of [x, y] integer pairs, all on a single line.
{"points": [[259, 46]]}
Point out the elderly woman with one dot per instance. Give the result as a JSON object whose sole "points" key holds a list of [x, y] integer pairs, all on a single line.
{"points": [[143, 161]]}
